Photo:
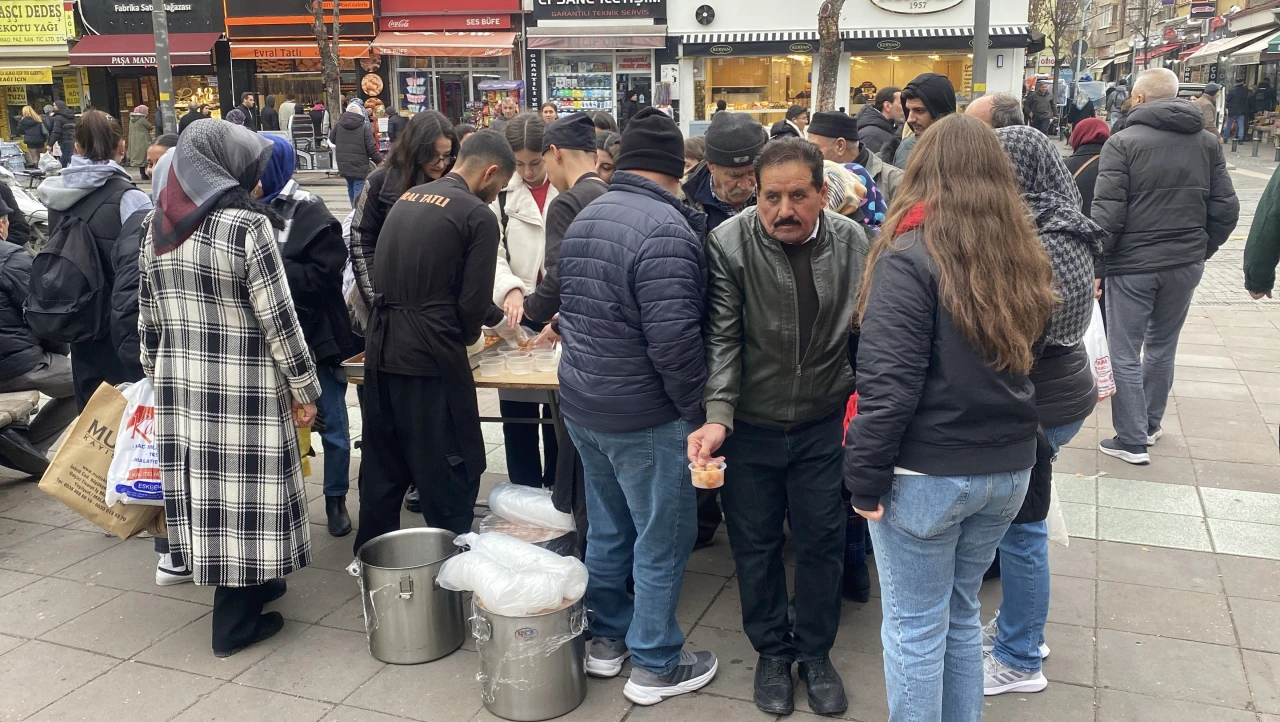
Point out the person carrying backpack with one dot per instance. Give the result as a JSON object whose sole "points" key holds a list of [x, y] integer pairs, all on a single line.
{"points": [[89, 205]]}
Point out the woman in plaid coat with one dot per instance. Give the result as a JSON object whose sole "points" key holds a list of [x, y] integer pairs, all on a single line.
{"points": [[222, 345]]}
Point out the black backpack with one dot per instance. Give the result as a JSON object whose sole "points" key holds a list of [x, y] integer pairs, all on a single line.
{"points": [[70, 299]]}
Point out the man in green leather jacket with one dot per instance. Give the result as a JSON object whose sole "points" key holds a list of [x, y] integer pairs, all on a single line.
{"points": [[783, 279]]}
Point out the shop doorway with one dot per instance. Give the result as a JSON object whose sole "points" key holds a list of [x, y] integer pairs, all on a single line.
{"points": [[629, 83], [451, 89]]}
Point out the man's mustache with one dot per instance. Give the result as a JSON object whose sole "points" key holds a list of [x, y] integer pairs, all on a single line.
{"points": [[787, 222]]}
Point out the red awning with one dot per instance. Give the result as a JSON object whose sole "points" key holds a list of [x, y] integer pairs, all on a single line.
{"points": [[1162, 50], [1189, 52], [454, 45], [107, 51]]}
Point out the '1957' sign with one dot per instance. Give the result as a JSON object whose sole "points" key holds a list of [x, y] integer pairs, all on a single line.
{"points": [[915, 7]]}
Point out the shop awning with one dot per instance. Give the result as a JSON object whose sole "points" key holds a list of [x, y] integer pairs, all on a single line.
{"points": [[293, 49], [106, 51], [1251, 54], [452, 45], [1189, 52], [1209, 53], [956, 38], [1161, 51], [1101, 65], [26, 56], [620, 37]]}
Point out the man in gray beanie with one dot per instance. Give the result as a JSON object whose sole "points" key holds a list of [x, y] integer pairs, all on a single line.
{"points": [[1207, 102], [724, 184]]}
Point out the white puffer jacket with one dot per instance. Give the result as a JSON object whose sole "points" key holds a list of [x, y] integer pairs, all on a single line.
{"points": [[523, 248]]}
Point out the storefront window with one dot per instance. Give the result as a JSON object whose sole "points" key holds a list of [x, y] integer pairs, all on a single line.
{"points": [[898, 69], [415, 62], [447, 62], [449, 85], [302, 78], [496, 61], [580, 81], [762, 86]]}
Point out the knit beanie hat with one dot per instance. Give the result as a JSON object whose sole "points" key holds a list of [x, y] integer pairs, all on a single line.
{"points": [[935, 91], [572, 132], [834, 125], [652, 142], [734, 140]]}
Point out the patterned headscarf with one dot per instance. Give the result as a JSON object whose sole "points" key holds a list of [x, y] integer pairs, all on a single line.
{"points": [[1072, 240], [212, 158], [236, 116]]}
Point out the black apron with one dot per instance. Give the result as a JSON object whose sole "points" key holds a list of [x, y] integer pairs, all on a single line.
{"points": [[438, 319]]}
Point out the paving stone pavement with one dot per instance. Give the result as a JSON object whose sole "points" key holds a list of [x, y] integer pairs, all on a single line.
{"points": [[1165, 605]]}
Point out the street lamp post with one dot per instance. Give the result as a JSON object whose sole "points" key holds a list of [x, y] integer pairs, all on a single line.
{"points": [[164, 70]]}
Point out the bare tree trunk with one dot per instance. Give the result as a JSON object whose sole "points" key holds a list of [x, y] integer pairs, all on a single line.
{"points": [[328, 47], [828, 54]]}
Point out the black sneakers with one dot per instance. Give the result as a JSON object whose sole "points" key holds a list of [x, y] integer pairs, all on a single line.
{"points": [[774, 691], [412, 502], [826, 689], [1136, 455], [335, 508]]}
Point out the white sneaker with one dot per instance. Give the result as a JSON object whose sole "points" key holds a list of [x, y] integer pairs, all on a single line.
{"points": [[999, 679], [606, 656], [168, 575], [695, 671], [989, 632], [1154, 437]]}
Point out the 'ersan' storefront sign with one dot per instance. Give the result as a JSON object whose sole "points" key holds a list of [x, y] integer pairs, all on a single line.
{"points": [[915, 7], [601, 9]]}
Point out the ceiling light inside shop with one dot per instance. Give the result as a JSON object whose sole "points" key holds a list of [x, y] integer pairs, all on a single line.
{"points": [[798, 58], [935, 57], [894, 58]]}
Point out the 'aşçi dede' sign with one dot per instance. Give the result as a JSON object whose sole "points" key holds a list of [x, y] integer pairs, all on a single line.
{"points": [[598, 9]]}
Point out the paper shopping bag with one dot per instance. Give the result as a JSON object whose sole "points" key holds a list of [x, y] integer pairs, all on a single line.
{"points": [[77, 476]]}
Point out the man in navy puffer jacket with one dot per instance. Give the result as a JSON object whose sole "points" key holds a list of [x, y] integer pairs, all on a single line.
{"points": [[632, 284]]}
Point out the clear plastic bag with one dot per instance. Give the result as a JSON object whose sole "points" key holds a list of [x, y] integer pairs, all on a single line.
{"points": [[513, 578], [1056, 522], [134, 475], [48, 164], [528, 506], [1095, 342]]}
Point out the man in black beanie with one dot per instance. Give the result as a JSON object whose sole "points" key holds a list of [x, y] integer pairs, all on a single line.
{"points": [[925, 100], [569, 152], [724, 184], [836, 135], [633, 287]]}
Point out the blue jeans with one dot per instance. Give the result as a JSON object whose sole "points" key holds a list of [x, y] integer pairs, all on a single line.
{"points": [[937, 538], [353, 188], [336, 438], [643, 519], [1024, 579], [1236, 121]]}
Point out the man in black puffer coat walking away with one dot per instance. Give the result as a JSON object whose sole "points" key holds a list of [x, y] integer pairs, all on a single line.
{"points": [[880, 123], [355, 147], [63, 131], [1164, 198]]}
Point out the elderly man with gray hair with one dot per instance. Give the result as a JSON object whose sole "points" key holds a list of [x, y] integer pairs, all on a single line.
{"points": [[998, 110], [1167, 204]]}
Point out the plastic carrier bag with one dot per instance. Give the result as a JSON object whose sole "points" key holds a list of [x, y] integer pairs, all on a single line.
{"points": [[1095, 342], [134, 475], [513, 578]]}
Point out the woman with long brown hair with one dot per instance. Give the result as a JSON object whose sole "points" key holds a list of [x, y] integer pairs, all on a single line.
{"points": [[958, 291]]}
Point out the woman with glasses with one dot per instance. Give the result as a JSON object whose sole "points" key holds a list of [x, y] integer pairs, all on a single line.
{"points": [[424, 151], [521, 210]]}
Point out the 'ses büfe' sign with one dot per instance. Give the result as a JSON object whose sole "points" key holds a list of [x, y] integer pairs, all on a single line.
{"points": [[32, 22]]}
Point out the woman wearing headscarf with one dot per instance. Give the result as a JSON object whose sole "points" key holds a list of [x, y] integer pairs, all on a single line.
{"points": [[1087, 139], [314, 257], [1064, 398], [222, 345], [140, 132], [1081, 109], [235, 116]]}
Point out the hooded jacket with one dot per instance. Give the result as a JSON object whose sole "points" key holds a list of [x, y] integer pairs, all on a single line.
{"points": [[270, 118], [82, 177], [354, 144], [139, 140], [20, 350], [1163, 194], [63, 126], [32, 135], [935, 91], [875, 130]]}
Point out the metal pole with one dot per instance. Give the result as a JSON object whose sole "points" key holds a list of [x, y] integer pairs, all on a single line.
{"points": [[981, 38], [164, 71]]}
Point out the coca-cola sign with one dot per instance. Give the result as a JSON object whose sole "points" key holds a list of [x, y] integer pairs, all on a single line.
{"points": [[401, 23]]}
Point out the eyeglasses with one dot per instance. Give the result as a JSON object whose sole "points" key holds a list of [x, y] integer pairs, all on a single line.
{"points": [[442, 160]]}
